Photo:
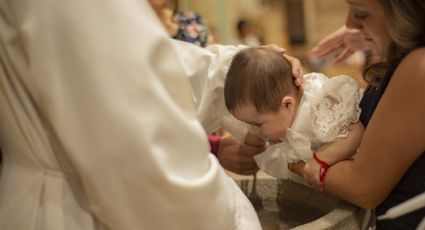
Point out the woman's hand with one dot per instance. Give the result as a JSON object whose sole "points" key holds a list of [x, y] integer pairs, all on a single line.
{"points": [[297, 70], [342, 44]]}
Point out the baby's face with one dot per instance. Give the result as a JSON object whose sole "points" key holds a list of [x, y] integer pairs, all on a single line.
{"points": [[271, 125]]}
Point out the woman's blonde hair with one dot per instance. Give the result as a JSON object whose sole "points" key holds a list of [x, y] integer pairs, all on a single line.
{"points": [[405, 20]]}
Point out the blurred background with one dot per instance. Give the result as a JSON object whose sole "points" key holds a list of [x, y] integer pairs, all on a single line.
{"points": [[296, 25]]}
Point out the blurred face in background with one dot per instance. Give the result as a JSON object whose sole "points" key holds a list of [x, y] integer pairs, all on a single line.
{"points": [[368, 17]]}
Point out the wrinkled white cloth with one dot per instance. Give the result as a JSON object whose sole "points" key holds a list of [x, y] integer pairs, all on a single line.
{"points": [[328, 106], [99, 127]]}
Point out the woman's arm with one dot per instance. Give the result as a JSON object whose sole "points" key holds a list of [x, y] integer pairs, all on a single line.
{"points": [[394, 139]]}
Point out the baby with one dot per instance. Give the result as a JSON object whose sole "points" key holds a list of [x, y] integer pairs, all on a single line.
{"points": [[259, 91]]}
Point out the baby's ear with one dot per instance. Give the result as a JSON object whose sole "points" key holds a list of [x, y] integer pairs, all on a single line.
{"points": [[288, 103]]}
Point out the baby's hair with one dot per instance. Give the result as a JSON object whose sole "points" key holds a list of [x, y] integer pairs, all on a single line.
{"points": [[259, 76]]}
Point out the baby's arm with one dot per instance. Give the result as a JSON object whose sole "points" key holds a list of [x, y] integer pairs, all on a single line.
{"points": [[342, 148], [333, 152]]}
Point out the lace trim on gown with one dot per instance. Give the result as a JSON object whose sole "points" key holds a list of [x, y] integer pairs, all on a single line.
{"points": [[335, 107]]}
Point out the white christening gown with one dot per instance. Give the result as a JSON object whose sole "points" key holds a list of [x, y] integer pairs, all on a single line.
{"points": [[327, 107]]}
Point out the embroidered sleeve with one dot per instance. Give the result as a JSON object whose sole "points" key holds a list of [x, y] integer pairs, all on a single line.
{"points": [[335, 107]]}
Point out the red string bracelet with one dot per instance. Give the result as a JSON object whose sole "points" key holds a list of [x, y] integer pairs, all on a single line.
{"points": [[323, 170]]}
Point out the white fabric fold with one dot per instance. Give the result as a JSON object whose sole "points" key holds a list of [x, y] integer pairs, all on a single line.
{"points": [[99, 127], [293, 148]]}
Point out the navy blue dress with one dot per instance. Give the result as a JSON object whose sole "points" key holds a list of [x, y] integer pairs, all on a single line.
{"points": [[412, 183]]}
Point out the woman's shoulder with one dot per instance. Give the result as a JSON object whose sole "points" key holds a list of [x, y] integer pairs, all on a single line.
{"points": [[409, 77], [414, 65], [417, 53]]}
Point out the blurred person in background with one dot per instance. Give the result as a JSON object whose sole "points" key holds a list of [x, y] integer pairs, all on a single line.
{"points": [[185, 26], [247, 34]]}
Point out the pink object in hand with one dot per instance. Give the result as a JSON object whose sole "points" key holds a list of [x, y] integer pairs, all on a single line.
{"points": [[214, 143]]}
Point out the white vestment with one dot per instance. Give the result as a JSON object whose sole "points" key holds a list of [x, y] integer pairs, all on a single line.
{"points": [[98, 123], [328, 106]]}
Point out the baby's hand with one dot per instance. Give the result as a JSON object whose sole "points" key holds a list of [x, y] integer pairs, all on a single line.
{"points": [[312, 173]]}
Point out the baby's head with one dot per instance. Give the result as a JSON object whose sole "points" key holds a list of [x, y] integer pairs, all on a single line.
{"points": [[259, 90]]}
